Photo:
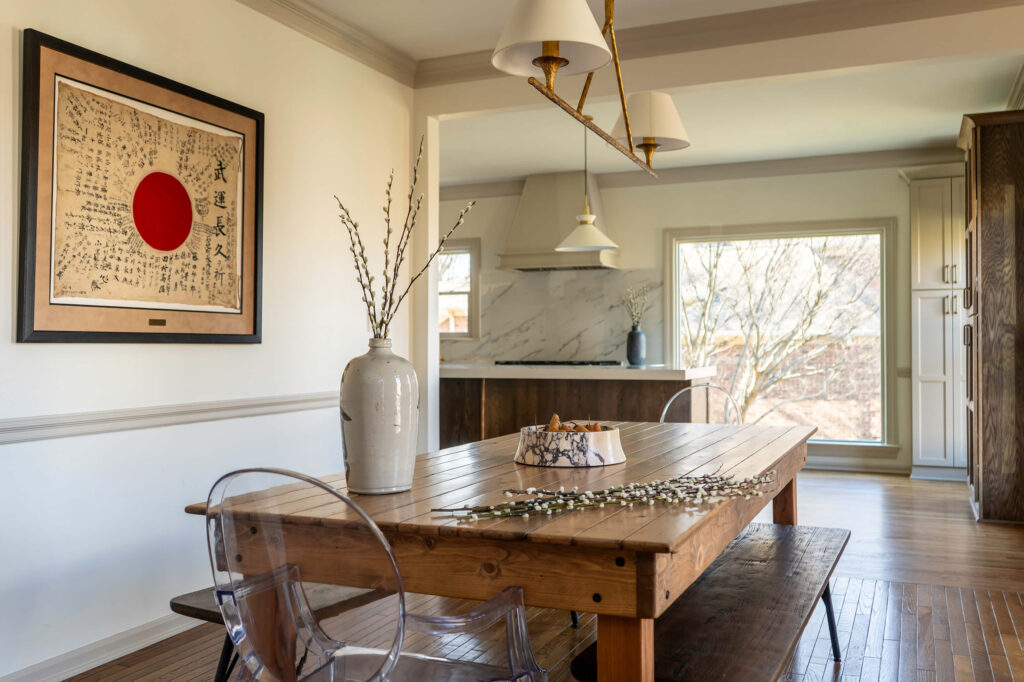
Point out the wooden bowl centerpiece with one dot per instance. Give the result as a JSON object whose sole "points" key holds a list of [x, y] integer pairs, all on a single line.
{"points": [[569, 444]]}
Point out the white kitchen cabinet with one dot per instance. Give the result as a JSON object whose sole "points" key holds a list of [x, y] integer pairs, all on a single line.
{"points": [[931, 233], [938, 360], [934, 376]]}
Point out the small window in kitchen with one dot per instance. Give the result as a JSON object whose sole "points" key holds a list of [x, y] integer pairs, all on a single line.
{"points": [[458, 289]]}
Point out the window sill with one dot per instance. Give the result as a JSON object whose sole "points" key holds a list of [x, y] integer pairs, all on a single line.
{"points": [[459, 337]]}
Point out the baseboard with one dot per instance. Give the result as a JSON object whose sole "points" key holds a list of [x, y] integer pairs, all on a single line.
{"points": [[924, 473], [855, 466], [103, 651]]}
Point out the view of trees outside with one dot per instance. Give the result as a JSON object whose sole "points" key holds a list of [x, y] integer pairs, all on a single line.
{"points": [[453, 288], [793, 325]]}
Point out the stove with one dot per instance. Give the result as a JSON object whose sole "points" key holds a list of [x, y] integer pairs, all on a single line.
{"points": [[573, 363]]}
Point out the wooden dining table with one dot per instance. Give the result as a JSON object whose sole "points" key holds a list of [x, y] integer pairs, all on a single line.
{"points": [[627, 564]]}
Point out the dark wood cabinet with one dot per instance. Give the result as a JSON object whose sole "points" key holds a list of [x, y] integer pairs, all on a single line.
{"points": [[472, 409], [994, 298]]}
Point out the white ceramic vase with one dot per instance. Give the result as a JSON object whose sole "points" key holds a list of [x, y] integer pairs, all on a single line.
{"points": [[379, 412]]}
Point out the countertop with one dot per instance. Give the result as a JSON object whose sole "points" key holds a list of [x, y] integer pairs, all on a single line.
{"points": [[581, 372]]}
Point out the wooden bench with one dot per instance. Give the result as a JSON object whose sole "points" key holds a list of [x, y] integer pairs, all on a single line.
{"points": [[326, 601], [742, 618]]}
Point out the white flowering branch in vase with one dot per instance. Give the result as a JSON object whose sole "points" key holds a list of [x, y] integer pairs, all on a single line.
{"points": [[379, 390], [390, 298], [635, 303]]}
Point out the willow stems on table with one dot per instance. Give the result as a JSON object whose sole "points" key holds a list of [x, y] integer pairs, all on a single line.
{"points": [[380, 319], [685, 489]]}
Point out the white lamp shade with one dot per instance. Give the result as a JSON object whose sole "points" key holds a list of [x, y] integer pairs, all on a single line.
{"points": [[586, 237], [653, 114], [570, 22]]}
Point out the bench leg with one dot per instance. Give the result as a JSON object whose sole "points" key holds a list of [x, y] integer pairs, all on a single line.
{"points": [[826, 597], [575, 618], [226, 652]]}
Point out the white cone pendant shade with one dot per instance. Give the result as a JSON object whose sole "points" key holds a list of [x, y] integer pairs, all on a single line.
{"points": [[586, 237], [534, 22], [653, 118]]}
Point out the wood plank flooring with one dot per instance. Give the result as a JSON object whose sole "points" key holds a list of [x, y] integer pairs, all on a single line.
{"points": [[923, 593]]}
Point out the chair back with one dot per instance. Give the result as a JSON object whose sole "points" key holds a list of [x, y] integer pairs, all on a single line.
{"points": [[702, 403], [266, 565]]}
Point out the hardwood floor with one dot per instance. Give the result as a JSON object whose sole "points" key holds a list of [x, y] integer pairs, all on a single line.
{"points": [[923, 592]]}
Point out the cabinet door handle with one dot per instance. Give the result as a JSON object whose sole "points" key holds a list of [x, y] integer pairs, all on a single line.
{"points": [[954, 273], [945, 273], [955, 311], [967, 297], [968, 335], [945, 305]]}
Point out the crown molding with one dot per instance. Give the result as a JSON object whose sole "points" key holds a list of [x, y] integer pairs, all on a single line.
{"points": [[455, 68], [471, 191], [833, 163], [725, 30], [335, 33], [1016, 100], [689, 35], [948, 159]]}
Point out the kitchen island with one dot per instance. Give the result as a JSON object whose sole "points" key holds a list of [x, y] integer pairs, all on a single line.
{"points": [[479, 401]]}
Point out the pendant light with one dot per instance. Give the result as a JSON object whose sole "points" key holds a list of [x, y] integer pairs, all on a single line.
{"points": [[654, 123], [543, 37], [586, 237]]}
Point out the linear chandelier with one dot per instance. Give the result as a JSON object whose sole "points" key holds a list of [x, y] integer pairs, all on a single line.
{"points": [[547, 37]]}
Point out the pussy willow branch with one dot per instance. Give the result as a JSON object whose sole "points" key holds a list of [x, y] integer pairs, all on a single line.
{"points": [[380, 320], [387, 240], [635, 303], [686, 489], [440, 245], [407, 225], [362, 273]]}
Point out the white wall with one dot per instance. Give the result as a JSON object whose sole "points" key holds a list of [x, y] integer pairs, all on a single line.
{"points": [[636, 218], [94, 537]]}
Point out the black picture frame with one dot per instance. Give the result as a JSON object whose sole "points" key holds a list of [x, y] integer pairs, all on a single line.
{"points": [[28, 331]]}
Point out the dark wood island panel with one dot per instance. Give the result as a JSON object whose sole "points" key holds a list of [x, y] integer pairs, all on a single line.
{"points": [[473, 409]]}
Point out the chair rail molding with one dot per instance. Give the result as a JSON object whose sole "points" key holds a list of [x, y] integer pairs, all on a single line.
{"points": [[24, 429]]}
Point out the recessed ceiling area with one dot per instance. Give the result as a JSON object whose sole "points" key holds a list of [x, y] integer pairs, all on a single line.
{"points": [[473, 25], [897, 107]]}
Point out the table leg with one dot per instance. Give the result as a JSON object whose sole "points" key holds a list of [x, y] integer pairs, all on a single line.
{"points": [[784, 504], [625, 649]]}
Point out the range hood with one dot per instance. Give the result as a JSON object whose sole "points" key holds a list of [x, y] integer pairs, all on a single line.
{"points": [[546, 214]]}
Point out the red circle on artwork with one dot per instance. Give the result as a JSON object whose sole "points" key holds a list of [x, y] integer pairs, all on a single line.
{"points": [[162, 211]]}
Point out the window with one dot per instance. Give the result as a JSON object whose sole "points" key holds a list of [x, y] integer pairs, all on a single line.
{"points": [[458, 289], [794, 319]]}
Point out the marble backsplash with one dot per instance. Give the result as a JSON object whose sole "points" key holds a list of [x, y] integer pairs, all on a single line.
{"points": [[559, 315]]}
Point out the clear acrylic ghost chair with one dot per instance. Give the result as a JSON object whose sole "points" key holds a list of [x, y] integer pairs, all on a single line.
{"points": [[703, 403], [260, 563]]}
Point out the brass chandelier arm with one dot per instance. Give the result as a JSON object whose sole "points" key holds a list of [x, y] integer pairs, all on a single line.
{"points": [[590, 76], [622, 90], [568, 108]]}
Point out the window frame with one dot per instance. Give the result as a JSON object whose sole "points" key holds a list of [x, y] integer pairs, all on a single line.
{"points": [[471, 246], [886, 228]]}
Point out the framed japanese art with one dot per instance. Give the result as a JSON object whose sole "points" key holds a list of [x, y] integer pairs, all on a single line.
{"points": [[140, 205]]}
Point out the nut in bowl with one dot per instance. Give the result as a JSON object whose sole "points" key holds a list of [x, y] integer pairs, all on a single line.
{"points": [[569, 444]]}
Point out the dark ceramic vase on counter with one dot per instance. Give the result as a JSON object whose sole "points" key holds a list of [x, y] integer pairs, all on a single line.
{"points": [[636, 346]]}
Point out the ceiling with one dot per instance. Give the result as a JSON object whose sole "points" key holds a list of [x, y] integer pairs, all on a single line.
{"points": [[473, 25], [896, 107]]}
